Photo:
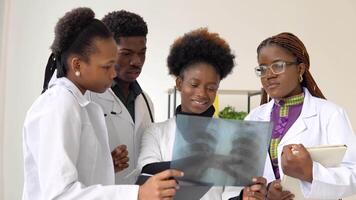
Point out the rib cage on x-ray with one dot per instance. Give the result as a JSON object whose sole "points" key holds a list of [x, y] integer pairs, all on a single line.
{"points": [[220, 152]]}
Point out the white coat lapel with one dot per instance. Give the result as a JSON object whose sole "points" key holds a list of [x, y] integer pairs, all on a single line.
{"points": [[140, 112], [108, 96], [300, 125], [124, 114], [265, 115], [266, 112], [118, 108], [297, 128]]}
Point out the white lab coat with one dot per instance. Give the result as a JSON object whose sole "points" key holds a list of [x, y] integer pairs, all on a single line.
{"points": [[157, 146], [66, 150], [123, 130], [320, 123]]}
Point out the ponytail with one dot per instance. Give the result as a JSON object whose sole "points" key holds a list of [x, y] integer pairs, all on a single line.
{"points": [[54, 63], [50, 68], [74, 34]]}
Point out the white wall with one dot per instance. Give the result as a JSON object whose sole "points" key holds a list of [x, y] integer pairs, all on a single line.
{"points": [[326, 27], [2, 89]]}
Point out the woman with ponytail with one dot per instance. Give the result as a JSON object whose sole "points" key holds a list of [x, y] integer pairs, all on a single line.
{"points": [[66, 149], [301, 118]]}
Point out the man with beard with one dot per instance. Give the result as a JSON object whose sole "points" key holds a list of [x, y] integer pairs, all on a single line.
{"points": [[128, 110]]}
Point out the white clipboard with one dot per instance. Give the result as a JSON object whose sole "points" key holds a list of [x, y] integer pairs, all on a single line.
{"points": [[326, 155]]}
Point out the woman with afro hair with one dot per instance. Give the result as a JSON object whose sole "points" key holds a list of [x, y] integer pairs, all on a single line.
{"points": [[199, 60], [66, 150]]}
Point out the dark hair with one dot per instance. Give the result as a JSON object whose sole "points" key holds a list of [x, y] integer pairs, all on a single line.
{"points": [[125, 24], [295, 46], [200, 46], [74, 34]]}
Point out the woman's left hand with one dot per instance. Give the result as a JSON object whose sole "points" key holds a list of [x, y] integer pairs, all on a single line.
{"points": [[296, 162], [257, 191]]}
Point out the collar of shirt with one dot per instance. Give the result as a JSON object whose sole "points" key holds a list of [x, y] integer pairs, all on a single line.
{"points": [[129, 102], [68, 84], [208, 113], [284, 104], [134, 91]]}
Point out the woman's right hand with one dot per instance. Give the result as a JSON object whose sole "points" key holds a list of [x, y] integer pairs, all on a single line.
{"points": [[256, 191], [120, 158], [160, 186], [275, 192]]}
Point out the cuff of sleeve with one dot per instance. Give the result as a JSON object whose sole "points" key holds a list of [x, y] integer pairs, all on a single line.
{"points": [[309, 188], [230, 193], [130, 192]]}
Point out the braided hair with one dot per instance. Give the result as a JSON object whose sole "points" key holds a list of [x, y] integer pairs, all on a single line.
{"points": [[295, 46], [74, 34]]}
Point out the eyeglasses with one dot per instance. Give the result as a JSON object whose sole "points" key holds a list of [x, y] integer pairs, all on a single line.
{"points": [[277, 67]]}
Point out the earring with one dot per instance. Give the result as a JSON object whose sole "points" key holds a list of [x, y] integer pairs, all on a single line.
{"points": [[300, 78], [77, 73]]}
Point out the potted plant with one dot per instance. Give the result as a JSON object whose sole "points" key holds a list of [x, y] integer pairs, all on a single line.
{"points": [[229, 113]]}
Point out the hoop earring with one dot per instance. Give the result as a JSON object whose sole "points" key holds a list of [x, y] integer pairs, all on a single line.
{"points": [[300, 78], [77, 73]]}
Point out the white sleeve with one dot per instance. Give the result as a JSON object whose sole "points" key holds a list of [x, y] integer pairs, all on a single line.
{"points": [[150, 147], [108, 192], [57, 154], [231, 191], [337, 182]]}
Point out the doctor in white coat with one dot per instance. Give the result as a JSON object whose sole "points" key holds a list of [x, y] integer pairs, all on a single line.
{"points": [[127, 108], [301, 118], [65, 143], [199, 60]]}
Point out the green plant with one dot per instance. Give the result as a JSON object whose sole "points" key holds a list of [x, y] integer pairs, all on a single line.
{"points": [[229, 113]]}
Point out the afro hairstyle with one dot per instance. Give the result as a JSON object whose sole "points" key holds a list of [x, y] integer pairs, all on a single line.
{"points": [[125, 24], [200, 46]]}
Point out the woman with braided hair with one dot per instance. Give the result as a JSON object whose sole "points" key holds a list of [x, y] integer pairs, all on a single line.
{"points": [[65, 139], [301, 118]]}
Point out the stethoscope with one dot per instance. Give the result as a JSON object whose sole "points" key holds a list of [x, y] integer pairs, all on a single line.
{"points": [[147, 105]]}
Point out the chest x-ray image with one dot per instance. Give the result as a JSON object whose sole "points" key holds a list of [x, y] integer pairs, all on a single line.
{"points": [[219, 152]]}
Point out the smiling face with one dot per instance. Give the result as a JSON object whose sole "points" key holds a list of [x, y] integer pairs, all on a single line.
{"points": [[132, 54], [286, 84], [198, 85]]}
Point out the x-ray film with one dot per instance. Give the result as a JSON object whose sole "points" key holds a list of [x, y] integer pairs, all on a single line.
{"points": [[219, 152]]}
